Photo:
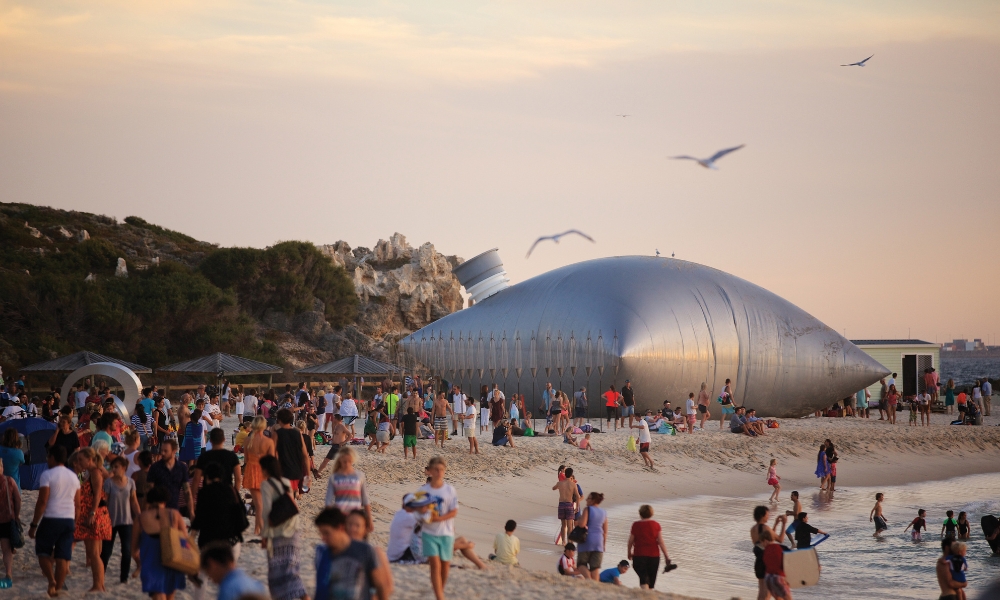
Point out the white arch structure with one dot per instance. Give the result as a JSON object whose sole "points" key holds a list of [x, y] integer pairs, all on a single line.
{"points": [[123, 375]]}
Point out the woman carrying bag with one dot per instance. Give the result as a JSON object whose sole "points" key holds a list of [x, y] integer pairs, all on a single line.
{"points": [[158, 581], [279, 535]]}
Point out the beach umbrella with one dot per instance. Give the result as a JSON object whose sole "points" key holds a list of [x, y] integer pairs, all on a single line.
{"points": [[460, 356], [452, 362], [492, 358], [480, 357], [560, 356], [504, 359], [518, 367], [533, 367], [547, 354], [615, 360], [442, 354], [572, 358]]}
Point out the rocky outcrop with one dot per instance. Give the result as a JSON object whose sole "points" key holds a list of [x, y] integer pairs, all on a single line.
{"points": [[400, 289]]}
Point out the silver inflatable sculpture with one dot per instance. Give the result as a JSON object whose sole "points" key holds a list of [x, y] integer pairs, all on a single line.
{"points": [[665, 324]]}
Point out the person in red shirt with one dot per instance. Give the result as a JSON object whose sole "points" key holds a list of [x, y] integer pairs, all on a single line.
{"points": [[774, 567], [612, 401], [645, 542]]}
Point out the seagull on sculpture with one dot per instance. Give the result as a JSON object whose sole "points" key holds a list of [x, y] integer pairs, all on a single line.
{"points": [[671, 255], [657, 252], [709, 163], [860, 63], [555, 238]]}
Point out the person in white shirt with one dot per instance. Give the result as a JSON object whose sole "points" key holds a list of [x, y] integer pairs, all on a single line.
{"points": [[53, 525], [326, 419], [458, 407], [644, 440], [81, 397], [250, 403], [469, 425], [404, 531], [691, 412]]}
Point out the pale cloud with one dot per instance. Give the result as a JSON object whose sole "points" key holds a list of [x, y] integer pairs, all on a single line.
{"points": [[449, 41]]}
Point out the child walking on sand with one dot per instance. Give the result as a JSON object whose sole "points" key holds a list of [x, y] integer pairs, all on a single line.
{"points": [[877, 516], [773, 480], [438, 534], [916, 524]]}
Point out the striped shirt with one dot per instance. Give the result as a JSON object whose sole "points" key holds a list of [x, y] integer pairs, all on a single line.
{"points": [[347, 492]]}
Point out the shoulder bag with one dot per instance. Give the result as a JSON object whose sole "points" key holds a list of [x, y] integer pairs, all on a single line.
{"points": [[579, 533], [283, 508]]}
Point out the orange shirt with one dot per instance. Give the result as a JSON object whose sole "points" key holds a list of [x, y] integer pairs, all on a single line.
{"points": [[961, 398], [612, 398]]}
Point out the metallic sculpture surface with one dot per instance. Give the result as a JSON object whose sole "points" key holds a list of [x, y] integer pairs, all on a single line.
{"points": [[667, 325]]}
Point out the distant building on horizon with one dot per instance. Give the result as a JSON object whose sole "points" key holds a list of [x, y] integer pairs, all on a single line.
{"points": [[964, 345]]}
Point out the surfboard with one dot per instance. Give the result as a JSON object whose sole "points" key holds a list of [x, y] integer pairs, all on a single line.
{"points": [[801, 567], [990, 524]]}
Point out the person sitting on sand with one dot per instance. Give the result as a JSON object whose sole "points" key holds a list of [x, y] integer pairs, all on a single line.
{"points": [[404, 531], [567, 562], [585, 443], [612, 575], [426, 431], [679, 422], [515, 430], [506, 546], [501, 435], [569, 438], [738, 423]]}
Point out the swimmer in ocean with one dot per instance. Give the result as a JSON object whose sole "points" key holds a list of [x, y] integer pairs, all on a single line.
{"points": [[877, 516], [917, 524]]}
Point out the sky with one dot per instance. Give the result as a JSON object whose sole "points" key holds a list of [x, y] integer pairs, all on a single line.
{"points": [[866, 196]]}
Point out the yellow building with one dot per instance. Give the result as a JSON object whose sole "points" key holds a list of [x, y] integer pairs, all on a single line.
{"points": [[906, 358]]}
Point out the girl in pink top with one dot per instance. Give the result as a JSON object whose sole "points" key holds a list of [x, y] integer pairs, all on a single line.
{"points": [[773, 480]]}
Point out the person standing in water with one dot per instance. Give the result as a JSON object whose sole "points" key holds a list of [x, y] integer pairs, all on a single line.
{"points": [[876, 515], [822, 467], [760, 517], [917, 523]]}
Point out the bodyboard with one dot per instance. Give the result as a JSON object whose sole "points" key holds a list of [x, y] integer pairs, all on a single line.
{"points": [[801, 567], [990, 524]]}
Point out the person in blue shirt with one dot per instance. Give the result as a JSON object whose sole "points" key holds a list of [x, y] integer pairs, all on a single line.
{"points": [[612, 575], [147, 400], [218, 563], [12, 455]]}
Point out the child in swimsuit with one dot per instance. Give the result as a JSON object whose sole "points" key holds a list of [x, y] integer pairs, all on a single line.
{"points": [[876, 515], [950, 526], [963, 526], [959, 566], [773, 480], [916, 524]]}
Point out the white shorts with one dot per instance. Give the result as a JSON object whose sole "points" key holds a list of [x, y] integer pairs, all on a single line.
{"points": [[320, 421], [470, 430], [382, 437], [484, 416]]}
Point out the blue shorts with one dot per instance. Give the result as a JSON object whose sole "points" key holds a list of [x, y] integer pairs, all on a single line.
{"points": [[628, 411], [54, 538], [442, 546]]}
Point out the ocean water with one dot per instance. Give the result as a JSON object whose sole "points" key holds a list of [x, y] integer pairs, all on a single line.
{"points": [[709, 538], [966, 371]]}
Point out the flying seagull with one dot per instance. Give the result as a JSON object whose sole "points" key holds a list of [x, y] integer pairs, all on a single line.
{"points": [[860, 63], [555, 238], [709, 163], [623, 116]]}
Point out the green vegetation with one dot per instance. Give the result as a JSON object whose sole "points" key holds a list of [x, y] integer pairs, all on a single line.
{"points": [[184, 307]]}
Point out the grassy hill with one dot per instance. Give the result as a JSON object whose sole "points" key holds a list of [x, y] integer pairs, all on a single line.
{"points": [[182, 297]]}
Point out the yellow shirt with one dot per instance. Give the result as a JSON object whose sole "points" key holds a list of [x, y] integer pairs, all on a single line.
{"points": [[241, 437], [506, 547]]}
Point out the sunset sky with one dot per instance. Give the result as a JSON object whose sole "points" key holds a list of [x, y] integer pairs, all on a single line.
{"points": [[870, 197]]}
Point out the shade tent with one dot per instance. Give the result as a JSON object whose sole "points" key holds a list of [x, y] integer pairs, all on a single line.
{"points": [[36, 432], [220, 363], [354, 366], [72, 362]]}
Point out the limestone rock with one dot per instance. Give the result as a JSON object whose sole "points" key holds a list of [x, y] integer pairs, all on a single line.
{"points": [[32, 231], [121, 270], [64, 232], [82, 235], [90, 278]]}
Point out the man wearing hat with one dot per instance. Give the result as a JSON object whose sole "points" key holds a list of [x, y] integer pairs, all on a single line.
{"points": [[404, 531]]}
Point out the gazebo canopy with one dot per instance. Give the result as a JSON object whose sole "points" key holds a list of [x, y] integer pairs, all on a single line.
{"points": [[356, 365], [72, 362], [220, 362]]}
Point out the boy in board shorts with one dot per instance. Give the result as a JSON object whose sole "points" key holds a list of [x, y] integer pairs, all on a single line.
{"points": [[876, 515], [438, 534]]}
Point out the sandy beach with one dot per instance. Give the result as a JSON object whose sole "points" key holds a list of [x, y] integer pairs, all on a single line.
{"points": [[505, 483]]}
